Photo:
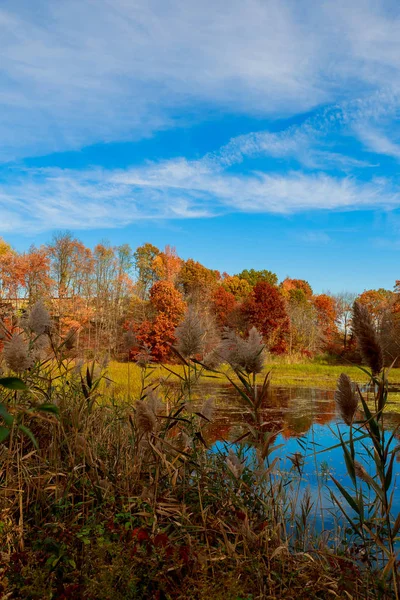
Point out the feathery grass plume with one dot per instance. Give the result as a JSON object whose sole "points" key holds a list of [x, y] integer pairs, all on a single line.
{"points": [[367, 338], [213, 359], [16, 353], [40, 347], [144, 417], [234, 464], [360, 472], [190, 334], [207, 410], [346, 398], [39, 319], [247, 354], [154, 402]]}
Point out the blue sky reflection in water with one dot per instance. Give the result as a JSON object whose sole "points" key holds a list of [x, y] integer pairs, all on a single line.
{"points": [[309, 425]]}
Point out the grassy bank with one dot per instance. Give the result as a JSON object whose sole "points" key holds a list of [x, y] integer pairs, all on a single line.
{"points": [[108, 490], [129, 504], [127, 377]]}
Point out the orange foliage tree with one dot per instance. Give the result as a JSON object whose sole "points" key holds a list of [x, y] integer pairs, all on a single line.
{"points": [[327, 316], [378, 302], [289, 286], [158, 333], [195, 279], [167, 264]]}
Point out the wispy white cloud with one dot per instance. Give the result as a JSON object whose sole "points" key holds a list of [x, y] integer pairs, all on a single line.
{"points": [[41, 200], [378, 141], [80, 72]]}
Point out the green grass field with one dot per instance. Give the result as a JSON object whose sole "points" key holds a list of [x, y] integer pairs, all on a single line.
{"points": [[126, 378]]}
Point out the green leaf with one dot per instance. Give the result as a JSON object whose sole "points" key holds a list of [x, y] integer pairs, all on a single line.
{"points": [[13, 383], [351, 501], [7, 418], [29, 434], [4, 433], [349, 519], [49, 408], [389, 472], [348, 458]]}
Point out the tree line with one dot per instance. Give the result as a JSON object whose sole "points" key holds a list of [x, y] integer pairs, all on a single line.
{"points": [[119, 301]]}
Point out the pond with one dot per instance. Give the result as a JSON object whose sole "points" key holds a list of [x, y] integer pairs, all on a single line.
{"points": [[307, 423]]}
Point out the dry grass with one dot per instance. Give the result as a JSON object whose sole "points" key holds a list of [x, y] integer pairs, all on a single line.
{"points": [[118, 502]]}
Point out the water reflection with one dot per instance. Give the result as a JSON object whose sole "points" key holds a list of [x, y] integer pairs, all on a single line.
{"points": [[288, 410], [304, 420]]}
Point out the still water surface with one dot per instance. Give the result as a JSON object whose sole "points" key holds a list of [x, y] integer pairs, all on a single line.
{"points": [[306, 422]]}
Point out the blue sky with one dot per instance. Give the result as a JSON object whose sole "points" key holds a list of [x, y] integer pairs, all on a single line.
{"points": [[257, 134]]}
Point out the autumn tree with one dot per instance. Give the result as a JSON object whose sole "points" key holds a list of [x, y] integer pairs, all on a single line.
{"points": [[144, 264], [4, 247], [292, 287], [378, 302], [196, 281], [239, 288], [158, 333], [12, 276], [304, 335], [106, 273], [37, 280], [327, 316], [167, 264], [266, 310], [253, 277], [223, 306]]}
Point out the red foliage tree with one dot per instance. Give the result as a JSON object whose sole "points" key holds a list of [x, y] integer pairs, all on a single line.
{"points": [[266, 310], [169, 309], [223, 304]]}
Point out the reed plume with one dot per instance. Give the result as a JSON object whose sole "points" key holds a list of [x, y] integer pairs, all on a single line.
{"points": [[360, 472], [345, 398], [248, 354], [144, 417], [190, 334], [16, 353], [39, 320], [207, 410], [154, 402], [367, 338], [234, 464]]}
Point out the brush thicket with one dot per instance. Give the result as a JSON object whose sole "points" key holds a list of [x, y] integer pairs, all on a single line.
{"points": [[103, 498]]}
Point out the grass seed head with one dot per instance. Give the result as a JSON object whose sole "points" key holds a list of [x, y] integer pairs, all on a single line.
{"points": [[346, 399], [145, 418], [367, 338], [16, 354], [190, 334], [207, 410], [245, 354], [39, 320]]}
